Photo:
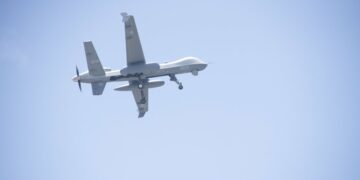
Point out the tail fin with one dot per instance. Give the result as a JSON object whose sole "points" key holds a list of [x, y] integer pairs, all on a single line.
{"points": [[98, 87], [93, 61]]}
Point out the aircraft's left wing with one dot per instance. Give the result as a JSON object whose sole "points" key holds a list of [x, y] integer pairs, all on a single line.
{"points": [[134, 52], [98, 87], [140, 95]]}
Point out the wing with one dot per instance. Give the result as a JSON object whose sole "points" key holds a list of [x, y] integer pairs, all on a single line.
{"points": [[141, 97], [134, 52], [98, 87], [93, 61]]}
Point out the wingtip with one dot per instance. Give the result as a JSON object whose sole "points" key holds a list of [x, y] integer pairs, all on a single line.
{"points": [[87, 42], [141, 114], [125, 16]]}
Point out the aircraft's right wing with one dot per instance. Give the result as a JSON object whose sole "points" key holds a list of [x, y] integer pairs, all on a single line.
{"points": [[134, 52], [93, 61], [140, 95]]}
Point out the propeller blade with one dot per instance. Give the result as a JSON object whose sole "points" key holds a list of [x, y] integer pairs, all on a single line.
{"points": [[77, 71], [79, 83]]}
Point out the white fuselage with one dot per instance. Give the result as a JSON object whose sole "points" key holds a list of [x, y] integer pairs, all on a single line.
{"points": [[185, 65]]}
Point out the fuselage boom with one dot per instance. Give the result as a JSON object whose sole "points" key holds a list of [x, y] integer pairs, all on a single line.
{"points": [[145, 71]]}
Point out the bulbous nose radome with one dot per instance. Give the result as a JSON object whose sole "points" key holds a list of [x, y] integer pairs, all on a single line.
{"points": [[203, 66]]}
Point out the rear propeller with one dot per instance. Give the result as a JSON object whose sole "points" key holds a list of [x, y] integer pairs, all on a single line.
{"points": [[77, 73]]}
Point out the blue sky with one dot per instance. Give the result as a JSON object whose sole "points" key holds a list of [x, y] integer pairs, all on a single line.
{"points": [[280, 99]]}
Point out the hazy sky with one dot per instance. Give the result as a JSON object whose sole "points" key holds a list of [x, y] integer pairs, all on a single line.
{"points": [[279, 100]]}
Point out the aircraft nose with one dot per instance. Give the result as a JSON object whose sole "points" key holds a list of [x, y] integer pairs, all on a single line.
{"points": [[203, 66]]}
